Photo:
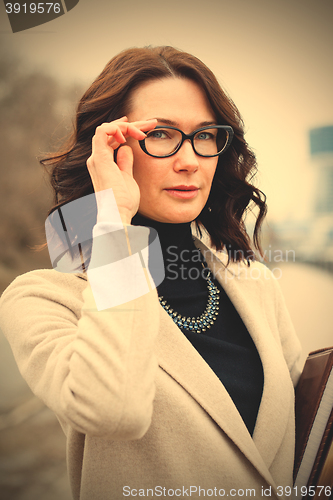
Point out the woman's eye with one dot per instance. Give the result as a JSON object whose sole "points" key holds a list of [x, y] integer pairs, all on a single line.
{"points": [[205, 136], [157, 134]]}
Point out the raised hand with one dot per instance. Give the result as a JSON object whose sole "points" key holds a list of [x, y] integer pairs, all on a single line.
{"points": [[105, 173]]}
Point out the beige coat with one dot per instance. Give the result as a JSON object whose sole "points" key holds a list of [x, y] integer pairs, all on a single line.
{"points": [[141, 409]]}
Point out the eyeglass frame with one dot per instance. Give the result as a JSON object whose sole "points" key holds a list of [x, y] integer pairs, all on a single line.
{"points": [[191, 138]]}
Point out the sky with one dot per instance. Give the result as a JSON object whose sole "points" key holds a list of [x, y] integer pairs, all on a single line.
{"points": [[274, 58]]}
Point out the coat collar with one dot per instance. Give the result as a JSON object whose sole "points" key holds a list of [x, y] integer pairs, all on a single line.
{"points": [[180, 359]]}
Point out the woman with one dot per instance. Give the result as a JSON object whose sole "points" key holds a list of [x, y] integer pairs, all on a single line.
{"points": [[184, 390]]}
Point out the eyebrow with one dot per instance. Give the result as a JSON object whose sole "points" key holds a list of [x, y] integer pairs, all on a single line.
{"points": [[172, 123]]}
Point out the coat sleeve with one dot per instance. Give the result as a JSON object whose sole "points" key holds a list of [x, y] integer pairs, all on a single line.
{"points": [[94, 368]]}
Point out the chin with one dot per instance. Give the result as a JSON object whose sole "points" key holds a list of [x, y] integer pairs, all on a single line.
{"points": [[182, 220], [175, 218]]}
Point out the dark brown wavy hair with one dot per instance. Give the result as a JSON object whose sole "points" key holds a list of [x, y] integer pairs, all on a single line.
{"points": [[109, 97]]}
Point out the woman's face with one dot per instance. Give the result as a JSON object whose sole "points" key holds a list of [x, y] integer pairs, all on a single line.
{"points": [[173, 189]]}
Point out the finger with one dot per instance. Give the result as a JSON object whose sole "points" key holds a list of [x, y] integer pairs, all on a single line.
{"points": [[107, 135], [136, 129], [114, 144], [125, 127], [99, 144], [143, 125], [125, 159], [117, 136], [115, 133], [123, 118]]}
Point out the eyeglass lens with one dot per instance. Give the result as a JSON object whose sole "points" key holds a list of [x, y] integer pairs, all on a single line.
{"points": [[207, 142]]}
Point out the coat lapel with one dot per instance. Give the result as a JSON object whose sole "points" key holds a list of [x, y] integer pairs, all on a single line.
{"points": [[181, 361]]}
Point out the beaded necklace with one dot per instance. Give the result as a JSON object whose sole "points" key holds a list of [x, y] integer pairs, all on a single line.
{"points": [[203, 322]]}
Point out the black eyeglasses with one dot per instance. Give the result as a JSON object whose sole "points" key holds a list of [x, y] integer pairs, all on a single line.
{"points": [[209, 141]]}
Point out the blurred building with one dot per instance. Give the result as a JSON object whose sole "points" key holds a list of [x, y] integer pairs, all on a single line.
{"points": [[321, 234], [321, 149], [312, 239]]}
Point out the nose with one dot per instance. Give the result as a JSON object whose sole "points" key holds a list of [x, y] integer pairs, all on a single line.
{"points": [[186, 159]]}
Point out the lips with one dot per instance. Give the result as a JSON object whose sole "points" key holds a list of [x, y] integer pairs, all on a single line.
{"points": [[183, 191]]}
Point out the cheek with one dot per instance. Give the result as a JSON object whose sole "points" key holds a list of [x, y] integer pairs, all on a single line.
{"points": [[139, 167], [146, 177], [211, 173], [150, 173]]}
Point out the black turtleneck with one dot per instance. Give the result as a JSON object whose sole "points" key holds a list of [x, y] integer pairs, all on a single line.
{"points": [[227, 346]]}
